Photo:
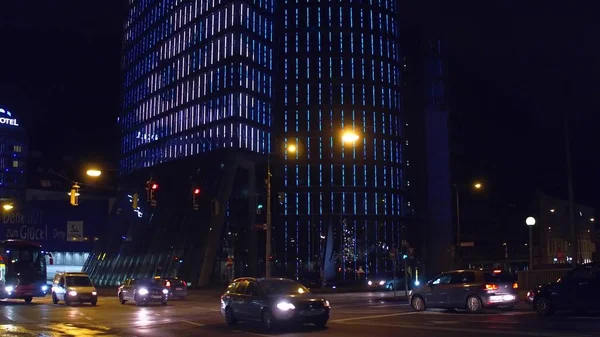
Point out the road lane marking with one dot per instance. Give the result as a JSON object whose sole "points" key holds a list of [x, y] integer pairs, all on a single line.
{"points": [[371, 317], [252, 333], [481, 331], [193, 323], [453, 314]]}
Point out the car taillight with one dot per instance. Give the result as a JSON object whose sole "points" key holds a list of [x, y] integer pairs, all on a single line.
{"points": [[515, 285], [491, 287], [167, 284]]}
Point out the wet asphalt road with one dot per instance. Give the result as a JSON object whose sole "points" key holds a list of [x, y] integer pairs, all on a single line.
{"points": [[362, 314]]}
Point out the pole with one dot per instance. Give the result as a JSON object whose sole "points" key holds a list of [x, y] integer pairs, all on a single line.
{"points": [[530, 247], [395, 267], [268, 225], [574, 234], [457, 252], [405, 278]]}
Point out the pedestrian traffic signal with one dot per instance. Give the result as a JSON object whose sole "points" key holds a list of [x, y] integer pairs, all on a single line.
{"points": [[74, 195]]}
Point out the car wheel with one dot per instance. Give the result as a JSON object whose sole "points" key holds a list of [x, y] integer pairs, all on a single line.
{"points": [[230, 317], [135, 300], [543, 306], [28, 299], [417, 303], [54, 298], [474, 304], [164, 302], [321, 323], [94, 302], [268, 320], [67, 302], [121, 299]]}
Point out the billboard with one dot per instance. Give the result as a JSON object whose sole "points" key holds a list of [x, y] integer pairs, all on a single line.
{"points": [[56, 225]]}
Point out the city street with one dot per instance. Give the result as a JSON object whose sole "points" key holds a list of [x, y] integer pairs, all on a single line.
{"points": [[359, 314]]}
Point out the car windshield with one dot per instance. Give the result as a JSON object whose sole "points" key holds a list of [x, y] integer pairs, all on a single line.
{"points": [[149, 282], [499, 277], [282, 287], [78, 281]]}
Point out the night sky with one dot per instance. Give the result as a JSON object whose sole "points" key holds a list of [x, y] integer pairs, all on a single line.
{"points": [[515, 69]]}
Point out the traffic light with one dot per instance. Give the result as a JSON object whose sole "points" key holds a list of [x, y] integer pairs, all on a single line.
{"points": [[195, 196], [151, 188], [74, 195], [134, 200]]}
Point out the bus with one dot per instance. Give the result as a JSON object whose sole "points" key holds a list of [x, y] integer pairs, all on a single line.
{"points": [[22, 270]]}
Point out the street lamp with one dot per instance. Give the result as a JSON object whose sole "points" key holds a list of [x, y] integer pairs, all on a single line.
{"points": [[347, 137], [530, 221], [477, 186], [93, 173]]}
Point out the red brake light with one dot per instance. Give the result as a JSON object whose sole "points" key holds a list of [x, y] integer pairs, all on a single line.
{"points": [[515, 285], [491, 287], [497, 271]]}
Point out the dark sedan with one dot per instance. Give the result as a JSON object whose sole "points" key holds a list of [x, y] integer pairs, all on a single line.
{"points": [[143, 291], [579, 291], [177, 288], [273, 301]]}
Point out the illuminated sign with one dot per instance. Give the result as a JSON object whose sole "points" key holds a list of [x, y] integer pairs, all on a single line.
{"points": [[6, 118]]}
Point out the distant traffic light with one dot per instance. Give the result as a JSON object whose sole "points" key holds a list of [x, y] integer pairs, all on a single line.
{"points": [[195, 197], [151, 187], [74, 195], [134, 200]]}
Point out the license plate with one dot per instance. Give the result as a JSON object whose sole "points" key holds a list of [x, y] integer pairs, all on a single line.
{"points": [[156, 296], [311, 312], [28, 294], [84, 298], [178, 288]]}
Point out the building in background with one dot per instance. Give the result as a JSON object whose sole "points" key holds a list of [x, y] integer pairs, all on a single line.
{"points": [[13, 158], [553, 232], [339, 71]]}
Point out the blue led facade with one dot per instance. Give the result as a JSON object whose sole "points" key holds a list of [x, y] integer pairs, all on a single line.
{"points": [[340, 70], [197, 77], [13, 157]]}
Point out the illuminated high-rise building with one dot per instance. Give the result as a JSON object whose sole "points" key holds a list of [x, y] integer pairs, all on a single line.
{"points": [[197, 77], [13, 158], [339, 71]]}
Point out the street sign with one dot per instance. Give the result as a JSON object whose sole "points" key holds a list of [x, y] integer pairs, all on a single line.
{"points": [[74, 230]]}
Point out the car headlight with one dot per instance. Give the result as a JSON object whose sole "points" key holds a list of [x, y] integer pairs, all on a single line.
{"points": [[72, 293], [44, 288], [143, 291], [9, 289], [381, 283], [94, 293], [165, 291], [326, 303], [370, 283], [285, 306]]}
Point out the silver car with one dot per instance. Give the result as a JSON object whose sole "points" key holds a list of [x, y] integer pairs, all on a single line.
{"points": [[473, 290]]}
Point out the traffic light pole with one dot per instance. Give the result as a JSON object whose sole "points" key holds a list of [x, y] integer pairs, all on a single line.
{"points": [[268, 225]]}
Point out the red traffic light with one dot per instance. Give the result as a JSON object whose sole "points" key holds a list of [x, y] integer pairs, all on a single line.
{"points": [[154, 186], [197, 191]]}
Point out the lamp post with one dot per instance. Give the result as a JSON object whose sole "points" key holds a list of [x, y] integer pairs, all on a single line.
{"points": [[347, 137], [476, 186], [530, 221]]}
